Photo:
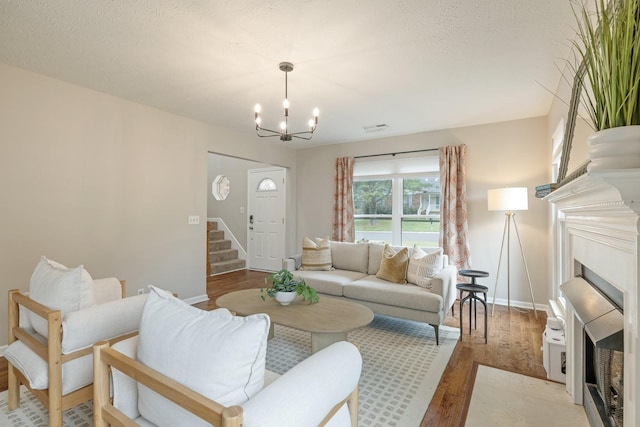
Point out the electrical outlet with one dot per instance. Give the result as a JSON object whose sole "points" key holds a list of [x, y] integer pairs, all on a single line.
{"points": [[193, 220], [140, 291]]}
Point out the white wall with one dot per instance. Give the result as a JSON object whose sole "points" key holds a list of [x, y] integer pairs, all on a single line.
{"points": [[515, 153], [88, 178]]}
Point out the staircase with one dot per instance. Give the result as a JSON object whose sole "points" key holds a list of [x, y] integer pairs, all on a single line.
{"points": [[220, 257]]}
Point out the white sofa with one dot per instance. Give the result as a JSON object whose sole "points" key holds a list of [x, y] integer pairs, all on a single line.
{"points": [[354, 277]]}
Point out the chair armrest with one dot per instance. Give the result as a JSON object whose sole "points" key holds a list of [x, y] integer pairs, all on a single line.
{"points": [[326, 380], [444, 284], [82, 328]]}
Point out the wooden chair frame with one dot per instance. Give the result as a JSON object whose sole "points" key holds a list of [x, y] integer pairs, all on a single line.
{"points": [[105, 414], [51, 353]]}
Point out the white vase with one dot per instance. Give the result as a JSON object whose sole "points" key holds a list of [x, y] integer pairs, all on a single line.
{"points": [[615, 148], [284, 298]]}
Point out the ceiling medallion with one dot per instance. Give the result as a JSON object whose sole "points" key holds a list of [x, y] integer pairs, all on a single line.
{"points": [[284, 133]]}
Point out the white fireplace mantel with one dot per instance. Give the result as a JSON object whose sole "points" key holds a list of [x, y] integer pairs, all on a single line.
{"points": [[599, 227]]}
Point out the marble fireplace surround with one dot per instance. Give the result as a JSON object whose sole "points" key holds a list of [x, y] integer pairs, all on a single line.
{"points": [[599, 227]]}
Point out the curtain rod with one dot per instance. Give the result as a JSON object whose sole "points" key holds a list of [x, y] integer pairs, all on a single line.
{"points": [[400, 152]]}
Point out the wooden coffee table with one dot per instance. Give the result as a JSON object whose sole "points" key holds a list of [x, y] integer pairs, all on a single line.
{"points": [[328, 320]]}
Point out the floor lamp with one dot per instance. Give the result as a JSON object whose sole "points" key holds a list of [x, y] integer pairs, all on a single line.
{"points": [[509, 200]]}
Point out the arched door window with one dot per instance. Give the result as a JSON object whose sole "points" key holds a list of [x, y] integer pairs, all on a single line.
{"points": [[267, 184]]}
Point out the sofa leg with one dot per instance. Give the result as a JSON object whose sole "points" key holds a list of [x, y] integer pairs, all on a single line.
{"points": [[437, 335]]}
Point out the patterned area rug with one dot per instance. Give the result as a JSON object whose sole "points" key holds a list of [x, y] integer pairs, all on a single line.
{"points": [[401, 369], [401, 366]]}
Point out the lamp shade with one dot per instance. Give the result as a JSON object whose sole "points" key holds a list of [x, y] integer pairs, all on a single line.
{"points": [[508, 199]]}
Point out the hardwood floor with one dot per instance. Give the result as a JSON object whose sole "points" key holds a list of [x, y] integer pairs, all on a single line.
{"points": [[514, 344]]}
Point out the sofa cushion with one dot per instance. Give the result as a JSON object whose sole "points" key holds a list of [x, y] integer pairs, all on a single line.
{"points": [[60, 288], [316, 254], [328, 282], [423, 266], [350, 256], [375, 290], [218, 355], [393, 266]]}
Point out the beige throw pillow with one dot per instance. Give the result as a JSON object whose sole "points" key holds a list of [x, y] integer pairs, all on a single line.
{"points": [[316, 254], [393, 266], [423, 266]]}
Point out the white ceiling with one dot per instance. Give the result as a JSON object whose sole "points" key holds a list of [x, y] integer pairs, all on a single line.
{"points": [[415, 65]]}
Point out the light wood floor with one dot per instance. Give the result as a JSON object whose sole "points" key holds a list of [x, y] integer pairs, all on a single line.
{"points": [[515, 340]]}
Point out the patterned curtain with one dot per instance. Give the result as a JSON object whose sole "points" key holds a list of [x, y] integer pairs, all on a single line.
{"points": [[343, 227], [454, 230]]}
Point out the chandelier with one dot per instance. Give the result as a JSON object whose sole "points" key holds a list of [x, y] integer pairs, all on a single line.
{"points": [[284, 133]]}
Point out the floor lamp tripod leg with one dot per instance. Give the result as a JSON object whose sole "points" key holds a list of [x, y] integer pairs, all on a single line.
{"points": [[495, 288], [526, 268]]}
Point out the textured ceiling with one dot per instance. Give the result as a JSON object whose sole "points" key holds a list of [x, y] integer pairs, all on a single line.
{"points": [[415, 65]]}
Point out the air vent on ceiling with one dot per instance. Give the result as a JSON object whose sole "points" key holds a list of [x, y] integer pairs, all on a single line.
{"points": [[375, 128]]}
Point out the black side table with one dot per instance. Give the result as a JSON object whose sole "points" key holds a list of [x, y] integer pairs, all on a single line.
{"points": [[473, 289]]}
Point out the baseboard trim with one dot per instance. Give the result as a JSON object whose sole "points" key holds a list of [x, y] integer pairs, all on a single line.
{"points": [[519, 304], [196, 299]]}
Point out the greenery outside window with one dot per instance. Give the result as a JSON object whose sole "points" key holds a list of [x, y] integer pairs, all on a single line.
{"points": [[399, 210]]}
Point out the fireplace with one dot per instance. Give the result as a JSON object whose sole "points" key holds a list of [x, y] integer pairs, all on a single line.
{"points": [[597, 252], [598, 306]]}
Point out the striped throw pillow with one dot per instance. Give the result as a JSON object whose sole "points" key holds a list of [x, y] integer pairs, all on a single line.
{"points": [[316, 254], [423, 266]]}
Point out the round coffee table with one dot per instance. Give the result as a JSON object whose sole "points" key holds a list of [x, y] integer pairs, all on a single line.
{"points": [[328, 320]]}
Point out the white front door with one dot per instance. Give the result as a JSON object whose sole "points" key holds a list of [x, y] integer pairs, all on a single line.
{"points": [[266, 218]]}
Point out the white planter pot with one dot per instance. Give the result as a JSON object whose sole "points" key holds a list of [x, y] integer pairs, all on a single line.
{"points": [[285, 298], [615, 148]]}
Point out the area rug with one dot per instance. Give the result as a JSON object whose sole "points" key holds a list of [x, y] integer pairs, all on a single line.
{"points": [[401, 369], [503, 398]]}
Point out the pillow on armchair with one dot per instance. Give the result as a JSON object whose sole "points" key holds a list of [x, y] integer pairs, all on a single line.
{"points": [[58, 287], [214, 353]]}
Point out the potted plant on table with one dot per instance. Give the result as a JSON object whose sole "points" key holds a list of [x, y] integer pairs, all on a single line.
{"points": [[284, 288], [608, 44]]}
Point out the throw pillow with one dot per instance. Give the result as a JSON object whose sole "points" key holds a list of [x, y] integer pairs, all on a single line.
{"points": [[423, 266], [393, 266], [60, 288], [218, 355], [316, 254]]}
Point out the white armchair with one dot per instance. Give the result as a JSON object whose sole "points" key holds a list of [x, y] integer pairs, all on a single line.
{"points": [[50, 350], [146, 380]]}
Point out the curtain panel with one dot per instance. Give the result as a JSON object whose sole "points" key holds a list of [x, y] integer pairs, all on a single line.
{"points": [[454, 229], [343, 226]]}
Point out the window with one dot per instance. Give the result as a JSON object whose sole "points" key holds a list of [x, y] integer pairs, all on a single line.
{"points": [[399, 208], [267, 184]]}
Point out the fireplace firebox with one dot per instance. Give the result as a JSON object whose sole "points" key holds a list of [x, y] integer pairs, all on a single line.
{"points": [[598, 306]]}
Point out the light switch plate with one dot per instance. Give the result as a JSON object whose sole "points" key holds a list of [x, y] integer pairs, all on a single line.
{"points": [[193, 220]]}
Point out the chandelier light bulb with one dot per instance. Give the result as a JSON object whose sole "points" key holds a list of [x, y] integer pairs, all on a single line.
{"points": [[285, 103], [311, 123], [316, 112], [283, 126], [258, 121], [258, 108]]}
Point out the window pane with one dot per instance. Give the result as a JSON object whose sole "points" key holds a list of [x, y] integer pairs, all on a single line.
{"points": [[421, 196], [373, 201], [422, 231], [421, 211], [267, 184]]}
